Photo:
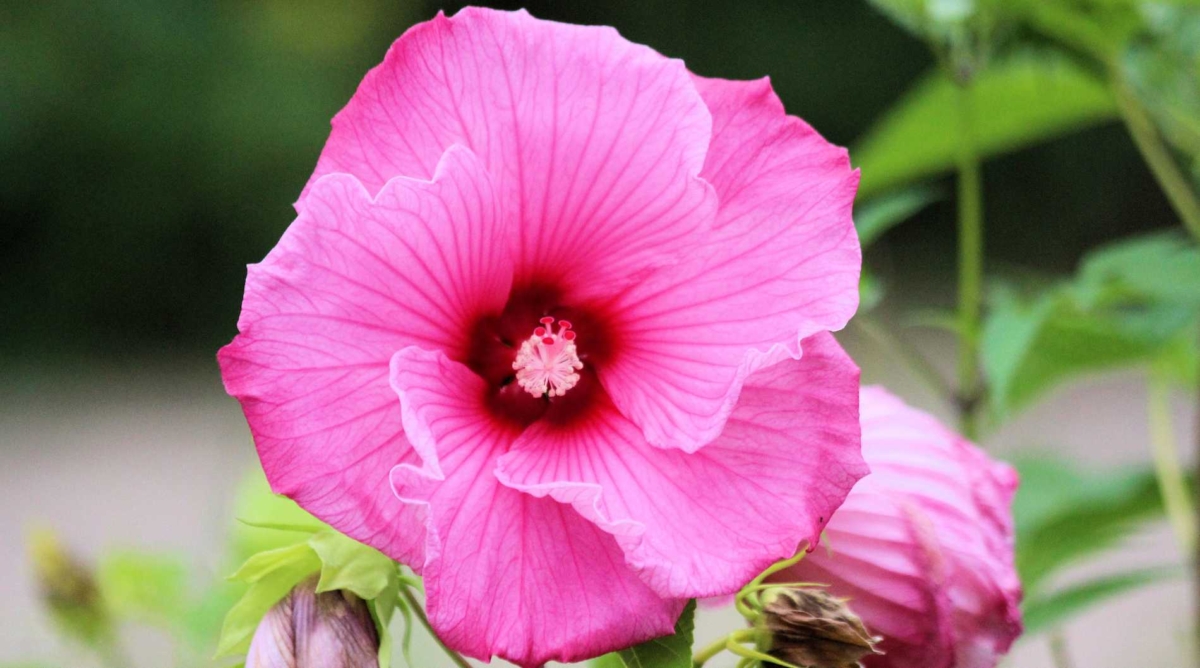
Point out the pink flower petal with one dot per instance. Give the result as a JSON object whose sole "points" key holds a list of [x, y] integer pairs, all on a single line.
{"points": [[703, 524], [923, 546], [352, 281], [595, 142], [782, 264], [507, 574]]}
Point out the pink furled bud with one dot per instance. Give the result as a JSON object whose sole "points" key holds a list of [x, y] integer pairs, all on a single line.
{"points": [[310, 630], [923, 546]]}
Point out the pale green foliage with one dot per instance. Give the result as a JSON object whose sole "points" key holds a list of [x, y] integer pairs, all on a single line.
{"points": [[1030, 346], [1021, 100], [150, 588], [350, 565]]}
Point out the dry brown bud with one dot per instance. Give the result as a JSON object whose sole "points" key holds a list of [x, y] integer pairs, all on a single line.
{"points": [[810, 628]]}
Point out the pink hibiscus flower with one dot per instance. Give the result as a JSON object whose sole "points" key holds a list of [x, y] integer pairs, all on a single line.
{"points": [[923, 547], [551, 327]]}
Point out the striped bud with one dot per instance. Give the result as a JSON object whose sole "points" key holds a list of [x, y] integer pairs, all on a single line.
{"points": [[332, 629]]}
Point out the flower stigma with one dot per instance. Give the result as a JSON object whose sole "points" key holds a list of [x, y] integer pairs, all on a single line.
{"points": [[547, 364]]}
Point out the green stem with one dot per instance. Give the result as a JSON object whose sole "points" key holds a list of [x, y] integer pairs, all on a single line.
{"points": [[113, 655], [970, 263], [419, 611], [905, 352], [776, 567], [709, 652], [720, 645], [1171, 179], [1058, 650], [1171, 479], [1196, 548]]}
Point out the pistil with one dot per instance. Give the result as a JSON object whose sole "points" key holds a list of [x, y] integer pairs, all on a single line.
{"points": [[547, 363]]}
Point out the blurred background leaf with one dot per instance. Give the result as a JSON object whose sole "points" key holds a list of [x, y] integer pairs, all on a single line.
{"points": [[1135, 301], [255, 507], [150, 588], [880, 214], [1027, 98], [1065, 514], [1043, 613]]}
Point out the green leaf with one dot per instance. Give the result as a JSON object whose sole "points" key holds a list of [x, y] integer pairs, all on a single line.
{"points": [[1065, 514], [1022, 100], [673, 651], [1043, 613], [613, 660], [271, 576], [882, 213], [1161, 267], [144, 587], [1029, 347], [1133, 302]]}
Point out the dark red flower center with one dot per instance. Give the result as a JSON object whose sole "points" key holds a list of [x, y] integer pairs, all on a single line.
{"points": [[584, 333]]}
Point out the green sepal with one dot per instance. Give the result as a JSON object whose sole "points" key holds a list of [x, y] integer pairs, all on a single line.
{"points": [[271, 575], [340, 564], [364, 571]]}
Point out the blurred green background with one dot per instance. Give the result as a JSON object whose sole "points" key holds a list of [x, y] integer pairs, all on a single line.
{"points": [[149, 150]]}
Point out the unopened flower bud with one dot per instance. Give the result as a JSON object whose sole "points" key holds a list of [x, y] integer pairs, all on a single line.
{"points": [[69, 590], [813, 629], [332, 629]]}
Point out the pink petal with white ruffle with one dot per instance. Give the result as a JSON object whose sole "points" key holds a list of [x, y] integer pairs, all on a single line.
{"points": [[353, 280], [781, 264], [703, 524], [507, 573], [595, 142]]}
